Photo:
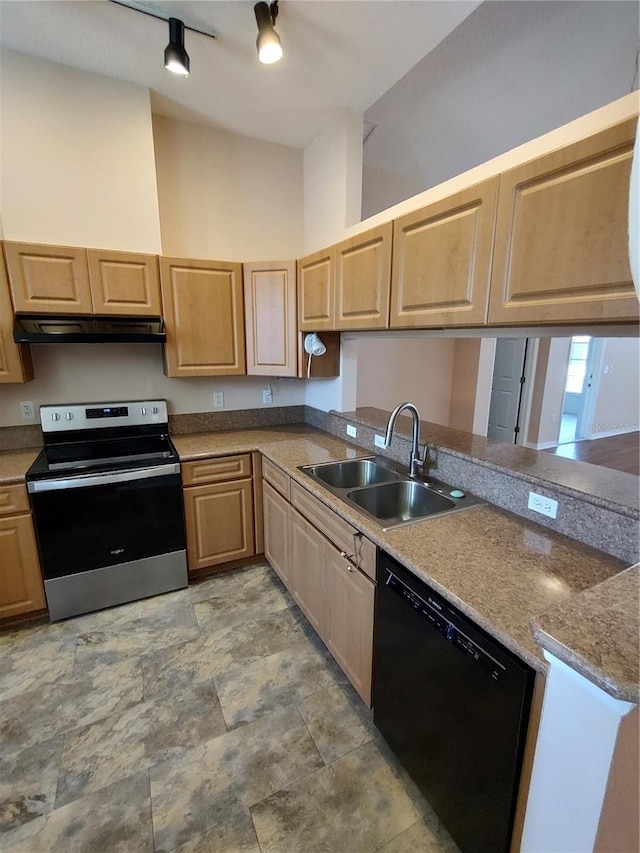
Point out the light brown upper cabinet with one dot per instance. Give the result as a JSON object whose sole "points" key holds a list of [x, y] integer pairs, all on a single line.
{"points": [[15, 359], [561, 235], [204, 317], [315, 290], [66, 280], [442, 261], [270, 318], [363, 279], [53, 279], [124, 283]]}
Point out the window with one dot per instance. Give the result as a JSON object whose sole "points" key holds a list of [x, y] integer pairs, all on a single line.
{"points": [[577, 370]]}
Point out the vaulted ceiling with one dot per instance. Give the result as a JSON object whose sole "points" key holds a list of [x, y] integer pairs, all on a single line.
{"points": [[338, 54]]}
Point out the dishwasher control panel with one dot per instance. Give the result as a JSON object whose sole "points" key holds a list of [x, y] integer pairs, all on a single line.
{"points": [[433, 611]]}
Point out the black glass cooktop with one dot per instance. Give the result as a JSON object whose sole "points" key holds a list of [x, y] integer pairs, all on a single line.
{"points": [[95, 456]]}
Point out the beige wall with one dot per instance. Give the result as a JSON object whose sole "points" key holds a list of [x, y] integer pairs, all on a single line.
{"points": [[419, 369], [226, 196], [548, 391], [618, 403], [78, 168], [333, 181], [77, 158], [466, 360], [74, 373], [619, 827]]}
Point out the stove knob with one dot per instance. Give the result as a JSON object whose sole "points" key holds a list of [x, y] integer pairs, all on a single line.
{"points": [[143, 411], [55, 416], [155, 410], [69, 416]]}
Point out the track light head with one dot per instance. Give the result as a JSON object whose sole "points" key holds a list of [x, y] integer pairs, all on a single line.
{"points": [[268, 42], [176, 58]]}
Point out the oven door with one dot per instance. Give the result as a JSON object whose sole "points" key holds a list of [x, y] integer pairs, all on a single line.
{"points": [[91, 521]]}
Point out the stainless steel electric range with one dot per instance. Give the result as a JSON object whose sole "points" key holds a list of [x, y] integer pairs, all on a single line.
{"points": [[107, 505]]}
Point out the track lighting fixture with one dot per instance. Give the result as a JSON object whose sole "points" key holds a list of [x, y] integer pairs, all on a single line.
{"points": [[176, 58], [268, 43]]}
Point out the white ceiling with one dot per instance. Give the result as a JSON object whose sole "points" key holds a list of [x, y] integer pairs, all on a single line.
{"points": [[338, 53]]}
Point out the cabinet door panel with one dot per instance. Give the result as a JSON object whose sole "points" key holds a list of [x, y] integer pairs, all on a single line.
{"points": [[204, 316], [124, 283], [363, 280], [561, 235], [219, 522], [21, 588], [307, 570], [15, 359], [315, 291], [349, 620], [270, 310], [276, 532], [48, 278], [442, 261]]}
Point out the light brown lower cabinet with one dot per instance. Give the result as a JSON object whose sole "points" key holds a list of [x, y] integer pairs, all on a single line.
{"points": [[276, 532], [219, 516], [336, 595], [21, 588], [307, 570], [348, 625]]}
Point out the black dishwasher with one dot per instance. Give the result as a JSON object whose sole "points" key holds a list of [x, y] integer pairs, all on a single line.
{"points": [[453, 705]]}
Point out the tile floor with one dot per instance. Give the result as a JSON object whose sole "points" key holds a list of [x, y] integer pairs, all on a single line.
{"points": [[210, 720]]}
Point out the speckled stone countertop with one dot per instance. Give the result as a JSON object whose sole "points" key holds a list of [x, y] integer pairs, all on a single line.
{"points": [[597, 633], [497, 568], [15, 463]]}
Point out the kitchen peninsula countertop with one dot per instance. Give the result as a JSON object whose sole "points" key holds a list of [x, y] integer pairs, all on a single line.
{"points": [[498, 568], [596, 633]]}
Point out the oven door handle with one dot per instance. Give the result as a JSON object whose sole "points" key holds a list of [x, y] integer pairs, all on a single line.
{"points": [[88, 480]]}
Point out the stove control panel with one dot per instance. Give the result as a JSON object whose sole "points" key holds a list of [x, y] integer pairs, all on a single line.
{"points": [[78, 416]]}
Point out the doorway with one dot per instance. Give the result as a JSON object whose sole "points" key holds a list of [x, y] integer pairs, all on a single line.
{"points": [[581, 388], [505, 407]]}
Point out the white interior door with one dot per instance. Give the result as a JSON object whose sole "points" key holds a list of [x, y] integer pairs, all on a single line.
{"points": [[506, 388]]}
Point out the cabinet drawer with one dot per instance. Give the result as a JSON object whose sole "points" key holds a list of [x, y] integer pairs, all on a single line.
{"points": [[218, 470], [280, 481], [13, 499], [336, 529]]}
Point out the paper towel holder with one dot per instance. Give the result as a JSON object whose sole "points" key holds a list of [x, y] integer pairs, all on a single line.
{"points": [[313, 346]]}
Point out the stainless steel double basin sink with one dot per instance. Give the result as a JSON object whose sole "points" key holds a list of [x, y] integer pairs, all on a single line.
{"points": [[384, 494]]}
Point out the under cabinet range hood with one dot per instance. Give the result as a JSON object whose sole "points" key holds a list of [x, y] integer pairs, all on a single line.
{"points": [[87, 329]]}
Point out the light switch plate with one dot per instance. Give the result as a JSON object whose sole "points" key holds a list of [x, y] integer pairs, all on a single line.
{"points": [[351, 431], [378, 440]]}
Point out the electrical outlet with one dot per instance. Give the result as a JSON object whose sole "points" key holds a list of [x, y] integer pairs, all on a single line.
{"points": [[545, 506], [218, 400], [351, 431], [27, 410], [267, 396], [378, 440]]}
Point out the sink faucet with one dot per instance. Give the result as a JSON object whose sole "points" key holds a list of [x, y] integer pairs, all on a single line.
{"points": [[415, 461]]}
